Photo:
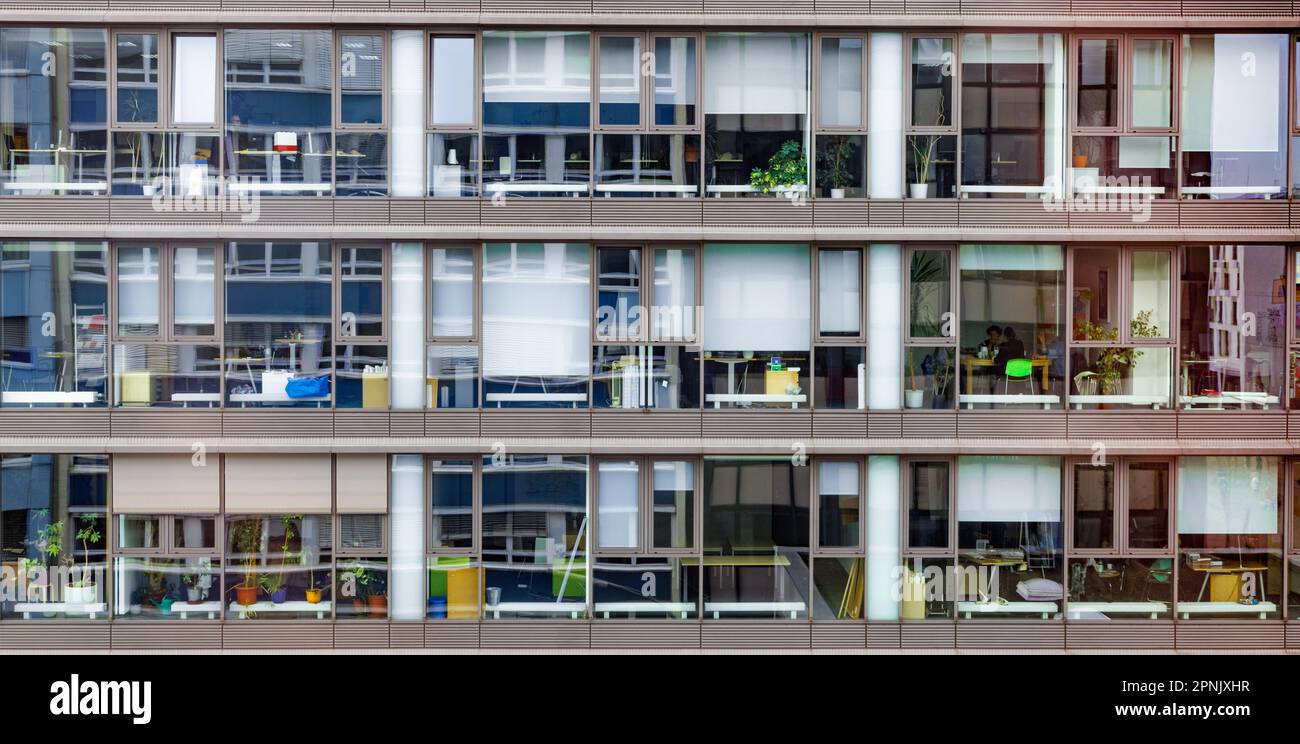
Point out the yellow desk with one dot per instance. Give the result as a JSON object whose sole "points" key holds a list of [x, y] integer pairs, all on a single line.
{"points": [[972, 362], [732, 561], [1225, 581]]}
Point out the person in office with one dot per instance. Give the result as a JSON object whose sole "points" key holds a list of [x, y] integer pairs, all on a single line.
{"points": [[988, 349], [1010, 348]]}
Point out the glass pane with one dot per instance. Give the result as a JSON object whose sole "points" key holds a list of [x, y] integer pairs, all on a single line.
{"points": [[620, 80], [137, 78], [362, 588], [618, 510], [453, 165], [647, 165], [1122, 174], [839, 292], [930, 295], [618, 294], [1117, 376], [194, 533], [673, 315], [166, 375], [361, 291], [138, 290], [455, 585], [840, 377], [930, 588], [929, 379], [194, 301], [1094, 506], [453, 80], [1121, 588], [361, 374], [361, 161], [1096, 294], [1148, 505], [840, 90], [177, 164], [842, 166], [451, 508], [537, 164], [138, 531], [931, 78], [452, 380], [931, 166], [166, 588], [1153, 67], [642, 587], [839, 504], [1151, 279], [673, 504], [194, 79], [929, 505], [1097, 98], [632, 377], [361, 531], [278, 567], [361, 79], [838, 585], [675, 81], [451, 273]]}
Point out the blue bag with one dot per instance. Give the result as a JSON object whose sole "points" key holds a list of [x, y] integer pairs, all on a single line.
{"points": [[308, 387]]}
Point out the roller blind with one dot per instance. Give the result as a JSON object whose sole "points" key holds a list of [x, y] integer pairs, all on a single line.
{"points": [[165, 484], [756, 297], [756, 73], [1227, 495], [837, 478], [990, 257], [194, 79], [1231, 89], [536, 309], [278, 484], [1008, 489], [839, 291], [361, 484]]}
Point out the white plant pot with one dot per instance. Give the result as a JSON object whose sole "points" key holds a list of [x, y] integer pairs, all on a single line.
{"points": [[918, 190], [913, 398], [80, 594], [837, 193]]}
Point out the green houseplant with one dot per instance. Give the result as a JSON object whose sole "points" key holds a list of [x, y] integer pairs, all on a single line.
{"points": [[246, 538], [834, 165], [1112, 362], [83, 589], [786, 169]]}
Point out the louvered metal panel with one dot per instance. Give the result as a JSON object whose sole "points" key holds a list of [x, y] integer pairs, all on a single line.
{"points": [[277, 634], [843, 7], [451, 211], [930, 212], [892, 7], [881, 424], [645, 634], [1293, 635], [37, 634], [1232, 424], [1237, 8], [277, 423], [1030, 424], [360, 423], [929, 424], [1010, 634], [773, 423], [933, 7], [535, 423], [284, 211], [658, 7], [450, 6], [1122, 424], [48, 210], [766, 212], [928, 634], [360, 211], [406, 211], [451, 634], [646, 212], [1126, 7], [847, 634], [1157, 213], [757, 634], [883, 635], [851, 423], [1211, 634], [758, 7], [1034, 213], [1119, 634], [536, 212], [361, 634], [840, 212], [645, 423], [403, 634], [1293, 424], [535, 634], [1007, 7], [411, 424], [360, 6], [1233, 215], [126, 209], [177, 634], [34, 422], [165, 423], [534, 7], [885, 212], [158, 7], [451, 423], [278, 5]]}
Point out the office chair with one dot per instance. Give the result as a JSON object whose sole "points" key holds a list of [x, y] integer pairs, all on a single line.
{"points": [[1160, 573], [1020, 370]]}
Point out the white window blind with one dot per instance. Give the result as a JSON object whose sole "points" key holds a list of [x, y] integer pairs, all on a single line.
{"points": [[839, 291], [619, 507], [837, 478], [756, 297], [165, 483], [536, 309], [194, 79], [756, 73], [1231, 86], [1010, 488], [1227, 495]]}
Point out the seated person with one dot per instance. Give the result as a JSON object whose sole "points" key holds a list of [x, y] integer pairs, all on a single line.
{"points": [[1010, 348]]}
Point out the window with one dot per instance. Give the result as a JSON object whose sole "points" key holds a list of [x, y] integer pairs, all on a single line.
{"points": [[453, 168], [1121, 564], [278, 323], [180, 164], [931, 125], [1009, 537], [53, 533], [536, 113], [1232, 332], [757, 520], [757, 327], [136, 64], [167, 567], [536, 324], [279, 112], [930, 353], [1229, 537], [676, 80], [841, 159], [194, 80], [1293, 558], [278, 566], [928, 589], [534, 536], [1234, 118], [55, 331], [361, 571], [756, 113], [361, 151], [54, 87], [454, 572], [1121, 348], [1012, 333], [839, 360], [361, 357], [451, 364], [1012, 114]]}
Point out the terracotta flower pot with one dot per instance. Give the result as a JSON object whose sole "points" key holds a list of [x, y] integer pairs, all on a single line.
{"points": [[245, 595], [378, 605], [1080, 161]]}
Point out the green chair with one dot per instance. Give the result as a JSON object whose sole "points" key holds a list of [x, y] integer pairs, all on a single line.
{"points": [[1020, 370], [1160, 573]]}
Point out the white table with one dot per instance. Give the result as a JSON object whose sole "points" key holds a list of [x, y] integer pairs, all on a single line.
{"points": [[1225, 608], [525, 186], [246, 398], [683, 609], [269, 187], [717, 399], [995, 189], [320, 608], [1244, 398], [1230, 190], [718, 608], [664, 188], [1140, 190], [183, 609], [187, 398], [574, 610], [1155, 401], [1044, 609], [33, 397], [55, 186], [91, 609], [1074, 609], [1047, 401], [499, 398], [719, 189]]}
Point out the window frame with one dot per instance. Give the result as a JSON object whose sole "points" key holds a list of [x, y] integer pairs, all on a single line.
{"points": [[815, 286], [476, 126], [909, 250], [162, 68], [645, 507], [166, 535], [645, 81], [341, 551], [819, 127], [815, 547], [1124, 310], [385, 82], [476, 508], [906, 550], [952, 129], [476, 321], [649, 88], [1120, 531], [218, 126], [167, 292], [338, 250], [1122, 83]]}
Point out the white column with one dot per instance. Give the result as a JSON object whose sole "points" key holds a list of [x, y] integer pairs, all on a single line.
{"points": [[885, 326], [1055, 142], [407, 580], [406, 110], [885, 143], [884, 533], [408, 327]]}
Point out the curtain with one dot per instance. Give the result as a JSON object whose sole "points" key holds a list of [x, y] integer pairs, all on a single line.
{"points": [[884, 538], [407, 579], [1232, 92], [408, 326]]}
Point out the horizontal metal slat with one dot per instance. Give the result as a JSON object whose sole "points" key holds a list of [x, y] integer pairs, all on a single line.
{"points": [[645, 423], [411, 424], [847, 634], [450, 634], [851, 423], [766, 635], [936, 634], [1212, 213], [758, 211], [613, 211], [451, 423], [404, 634], [1232, 424], [35, 422], [645, 635], [535, 423], [540, 634], [829, 213], [1115, 634], [995, 634], [177, 634], [883, 635], [929, 424], [773, 423], [277, 423], [360, 423], [536, 212], [165, 423], [1032, 424], [277, 634], [1036, 213], [1211, 634], [1122, 424], [926, 212], [361, 634], [36, 635]]}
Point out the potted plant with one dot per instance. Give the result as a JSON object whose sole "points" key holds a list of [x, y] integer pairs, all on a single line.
{"points": [[377, 596], [313, 591], [246, 537], [273, 585], [83, 589], [786, 170], [914, 395], [193, 588], [1112, 362], [360, 585], [835, 174], [924, 155], [941, 375]]}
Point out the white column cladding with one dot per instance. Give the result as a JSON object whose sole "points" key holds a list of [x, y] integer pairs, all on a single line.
{"points": [[406, 522], [884, 551], [885, 144], [406, 105], [885, 326], [408, 327]]}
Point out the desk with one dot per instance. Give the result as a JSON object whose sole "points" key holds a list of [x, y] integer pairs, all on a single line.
{"points": [[1263, 400], [1226, 583], [187, 398], [320, 608], [1155, 401], [1230, 190], [717, 399], [1154, 609], [681, 609], [972, 362], [574, 610], [964, 190], [91, 610], [1186, 609], [1043, 609], [33, 397], [183, 609], [245, 398], [499, 398], [665, 188], [1046, 401], [717, 608], [547, 188]]}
